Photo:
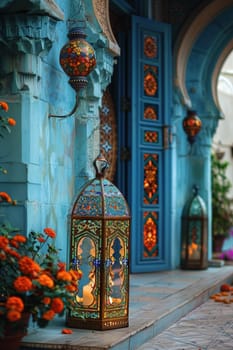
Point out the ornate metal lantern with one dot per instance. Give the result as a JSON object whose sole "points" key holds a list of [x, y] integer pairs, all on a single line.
{"points": [[77, 59], [100, 226], [194, 247], [192, 125]]}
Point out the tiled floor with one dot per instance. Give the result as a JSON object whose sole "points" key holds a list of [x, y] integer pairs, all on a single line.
{"points": [[210, 326], [157, 301]]}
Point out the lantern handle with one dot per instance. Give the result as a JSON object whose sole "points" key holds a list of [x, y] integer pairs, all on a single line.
{"points": [[69, 114]]}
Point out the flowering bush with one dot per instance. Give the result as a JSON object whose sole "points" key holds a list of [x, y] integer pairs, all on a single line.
{"points": [[32, 278], [5, 122]]}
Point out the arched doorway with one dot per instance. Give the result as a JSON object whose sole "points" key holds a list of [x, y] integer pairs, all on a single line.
{"points": [[200, 51]]}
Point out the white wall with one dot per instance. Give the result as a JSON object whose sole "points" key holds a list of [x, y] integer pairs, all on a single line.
{"points": [[223, 138]]}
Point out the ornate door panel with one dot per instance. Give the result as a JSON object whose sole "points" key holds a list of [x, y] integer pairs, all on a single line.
{"points": [[148, 170]]}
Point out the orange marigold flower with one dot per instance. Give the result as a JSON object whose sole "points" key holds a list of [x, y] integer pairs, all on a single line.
{"points": [[46, 300], [22, 284], [3, 242], [225, 287], [11, 121], [13, 315], [72, 288], [50, 232], [67, 331], [61, 265], [64, 276], [14, 243], [5, 197], [20, 238], [41, 239], [4, 105], [46, 281], [76, 275], [57, 305], [48, 315], [13, 253], [15, 303], [28, 267]]}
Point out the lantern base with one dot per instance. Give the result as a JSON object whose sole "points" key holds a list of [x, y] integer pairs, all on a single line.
{"points": [[99, 325], [190, 265], [78, 83]]}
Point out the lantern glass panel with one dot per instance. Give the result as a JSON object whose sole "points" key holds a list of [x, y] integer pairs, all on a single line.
{"points": [[86, 253], [85, 249], [116, 277], [117, 263], [194, 240]]}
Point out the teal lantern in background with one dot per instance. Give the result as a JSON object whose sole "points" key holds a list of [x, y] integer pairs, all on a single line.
{"points": [[194, 237], [99, 247]]}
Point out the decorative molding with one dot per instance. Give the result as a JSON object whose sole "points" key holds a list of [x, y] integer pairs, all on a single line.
{"points": [[101, 10], [32, 7], [188, 36], [23, 41], [27, 34], [108, 134], [209, 127], [217, 70]]}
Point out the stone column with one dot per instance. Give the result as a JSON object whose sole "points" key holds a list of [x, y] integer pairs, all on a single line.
{"points": [[26, 37]]}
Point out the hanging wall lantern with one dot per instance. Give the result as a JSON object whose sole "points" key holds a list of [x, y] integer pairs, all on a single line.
{"points": [[194, 240], [192, 125], [77, 58], [100, 226]]}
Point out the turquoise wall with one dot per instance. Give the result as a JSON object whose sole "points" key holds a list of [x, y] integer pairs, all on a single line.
{"points": [[47, 159]]}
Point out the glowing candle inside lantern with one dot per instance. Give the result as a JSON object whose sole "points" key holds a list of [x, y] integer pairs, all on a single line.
{"points": [[87, 295], [194, 251]]}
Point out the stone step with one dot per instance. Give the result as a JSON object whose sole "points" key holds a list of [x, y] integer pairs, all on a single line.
{"points": [[157, 300]]}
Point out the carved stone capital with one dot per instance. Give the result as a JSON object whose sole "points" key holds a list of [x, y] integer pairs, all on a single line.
{"points": [[27, 34], [23, 41], [32, 7]]}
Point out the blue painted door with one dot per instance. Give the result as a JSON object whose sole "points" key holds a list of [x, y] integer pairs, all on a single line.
{"points": [[145, 166]]}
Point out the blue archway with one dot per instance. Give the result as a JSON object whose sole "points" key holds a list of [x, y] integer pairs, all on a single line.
{"points": [[199, 54]]}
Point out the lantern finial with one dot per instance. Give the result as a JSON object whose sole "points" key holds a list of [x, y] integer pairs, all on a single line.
{"points": [[77, 59], [195, 190], [100, 164]]}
